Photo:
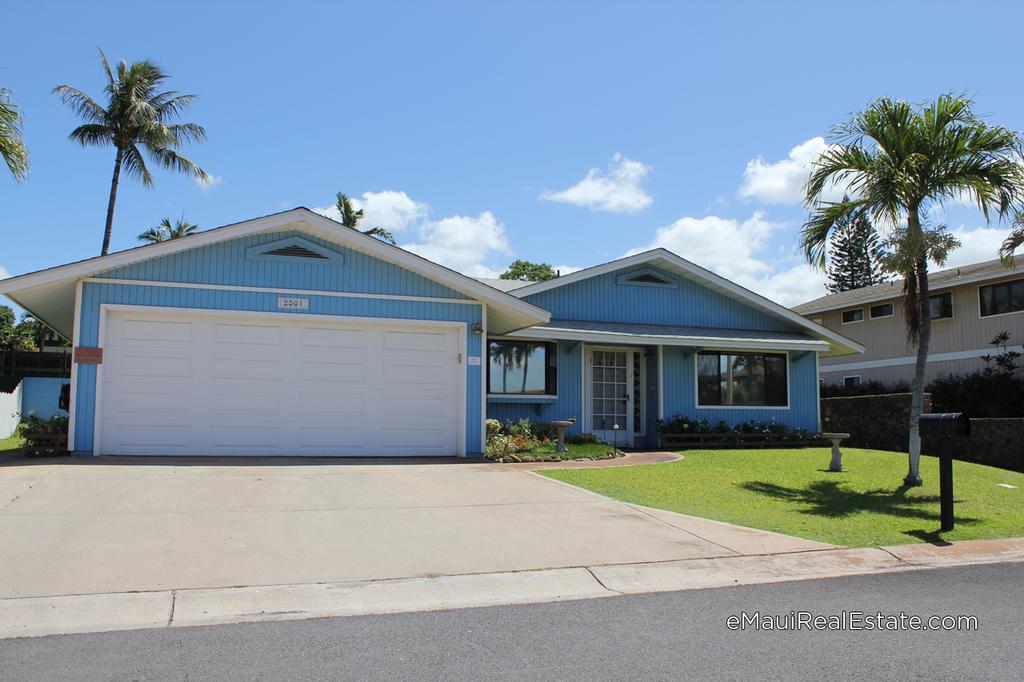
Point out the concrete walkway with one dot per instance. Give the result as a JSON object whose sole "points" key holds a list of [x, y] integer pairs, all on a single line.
{"points": [[183, 608], [112, 525]]}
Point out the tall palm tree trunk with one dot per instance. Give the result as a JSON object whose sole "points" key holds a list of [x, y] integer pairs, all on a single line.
{"points": [[924, 339], [110, 203]]}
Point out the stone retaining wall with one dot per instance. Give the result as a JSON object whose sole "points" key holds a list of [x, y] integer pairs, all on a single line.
{"points": [[881, 422]]}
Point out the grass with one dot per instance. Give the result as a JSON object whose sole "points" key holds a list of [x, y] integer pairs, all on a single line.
{"points": [[12, 444], [791, 491], [574, 451]]}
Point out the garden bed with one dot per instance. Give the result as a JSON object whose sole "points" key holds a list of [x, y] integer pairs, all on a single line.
{"points": [[574, 452], [706, 441]]}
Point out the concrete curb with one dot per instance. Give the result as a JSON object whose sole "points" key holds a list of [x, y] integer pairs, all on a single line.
{"points": [[37, 616]]}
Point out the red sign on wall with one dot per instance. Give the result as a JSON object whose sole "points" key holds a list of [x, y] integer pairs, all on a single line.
{"points": [[88, 356]]}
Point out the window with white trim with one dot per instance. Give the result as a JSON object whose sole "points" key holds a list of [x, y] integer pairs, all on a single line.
{"points": [[881, 310], [522, 368], [851, 316], [1001, 298], [741, 379], [941, 306], [851, 382]]}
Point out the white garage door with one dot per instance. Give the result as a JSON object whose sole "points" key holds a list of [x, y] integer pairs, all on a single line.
{"points": [[199, 384]]}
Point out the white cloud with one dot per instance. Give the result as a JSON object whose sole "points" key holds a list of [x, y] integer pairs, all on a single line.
{"points": [[782, 182], [389, 209], [209, 183], [4, 273], [617, 191], [979, 244], [566, 269], [463, 243], [736, 250]]}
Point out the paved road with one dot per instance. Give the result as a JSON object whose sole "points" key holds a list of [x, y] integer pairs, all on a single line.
{"points": [[672, 636]]}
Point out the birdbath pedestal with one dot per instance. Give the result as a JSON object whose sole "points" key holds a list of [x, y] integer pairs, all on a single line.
{"points": [[562, 425], [837, 455]]}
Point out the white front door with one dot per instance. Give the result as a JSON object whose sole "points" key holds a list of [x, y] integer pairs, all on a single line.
{"points": [[610, 395]]}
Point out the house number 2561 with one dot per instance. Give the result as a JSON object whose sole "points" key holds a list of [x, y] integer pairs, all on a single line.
{"points": [[293, 303]]}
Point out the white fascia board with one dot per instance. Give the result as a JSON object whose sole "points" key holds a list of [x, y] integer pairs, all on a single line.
{"points": [[717, 282], [323, 227], [659, 340]]}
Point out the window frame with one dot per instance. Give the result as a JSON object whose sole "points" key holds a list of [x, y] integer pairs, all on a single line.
{"points": [[871, 311], [952, 307], [852, 376], [1008, 283], [842, 316], [736, 351], [550, 371]]}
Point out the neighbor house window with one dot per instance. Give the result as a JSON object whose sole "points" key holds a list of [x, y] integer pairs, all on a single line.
{"points": [[1002, 298], [851, 382], [941, 306], [853, 315], [881, 310], [522, 368], [741, 379]]}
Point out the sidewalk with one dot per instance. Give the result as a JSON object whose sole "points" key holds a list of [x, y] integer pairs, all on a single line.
{"points": [[29, 617]]}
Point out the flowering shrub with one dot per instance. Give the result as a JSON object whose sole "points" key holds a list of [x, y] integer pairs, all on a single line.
{"points": [[681, 424]]}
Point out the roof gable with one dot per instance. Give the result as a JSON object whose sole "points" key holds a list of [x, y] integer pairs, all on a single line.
{"points": [[760, 310], [49, 294]]}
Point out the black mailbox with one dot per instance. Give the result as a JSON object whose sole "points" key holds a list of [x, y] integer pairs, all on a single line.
{"points": [[945, 425]]}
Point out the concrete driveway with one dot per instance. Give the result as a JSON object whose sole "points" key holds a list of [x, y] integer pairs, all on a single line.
{"points": [[81, 526]]}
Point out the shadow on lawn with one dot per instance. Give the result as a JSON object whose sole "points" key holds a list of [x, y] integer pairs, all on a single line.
{"points": [[830, 499]]}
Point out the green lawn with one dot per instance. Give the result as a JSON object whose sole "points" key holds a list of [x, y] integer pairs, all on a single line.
{"points": [[12, 444], [791, 491], [577, 451]]}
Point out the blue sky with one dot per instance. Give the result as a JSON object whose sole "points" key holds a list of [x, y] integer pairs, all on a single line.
{"points": [[481, 132]]}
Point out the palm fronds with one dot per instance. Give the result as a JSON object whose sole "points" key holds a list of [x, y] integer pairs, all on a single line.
{"points": [[12, 145]]}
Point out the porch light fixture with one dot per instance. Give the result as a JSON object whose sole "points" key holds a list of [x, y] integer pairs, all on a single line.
{"points": [[478, 328]]}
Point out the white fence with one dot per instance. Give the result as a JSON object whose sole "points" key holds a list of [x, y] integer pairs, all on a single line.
{"points": [[10, 411]]}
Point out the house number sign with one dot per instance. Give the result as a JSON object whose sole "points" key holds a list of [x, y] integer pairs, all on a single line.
{"points": [[284, 303]]}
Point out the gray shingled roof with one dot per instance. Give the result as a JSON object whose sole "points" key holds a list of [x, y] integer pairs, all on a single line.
{"points": [[505, 285], [942, 279]]}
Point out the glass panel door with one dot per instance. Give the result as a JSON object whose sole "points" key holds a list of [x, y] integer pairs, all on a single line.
{"points": [[611, 395]]}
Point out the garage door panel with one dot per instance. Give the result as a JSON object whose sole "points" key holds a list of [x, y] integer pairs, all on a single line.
{"points": [[318, 337], [277, 386], [151, 330], [419, 342], [348, 372], [248, 334]]}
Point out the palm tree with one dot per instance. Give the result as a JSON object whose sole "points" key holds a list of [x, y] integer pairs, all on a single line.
{"points": [[165, 231], [351, 218], [1014, 240], [12, 146], [136, 118], [899, 160]]}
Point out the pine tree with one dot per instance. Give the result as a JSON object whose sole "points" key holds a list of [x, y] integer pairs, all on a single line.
{"points": [[854, 254]]}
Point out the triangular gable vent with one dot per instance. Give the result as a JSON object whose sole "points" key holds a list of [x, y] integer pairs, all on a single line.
{"points": [[648, 279], [295, 251]]}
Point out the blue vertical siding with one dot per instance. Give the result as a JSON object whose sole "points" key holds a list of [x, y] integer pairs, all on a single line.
{"points": [[680, 393], [225, 264], [602, 299]]}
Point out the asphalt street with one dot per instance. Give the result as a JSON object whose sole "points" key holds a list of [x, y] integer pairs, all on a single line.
{"points": [[669, 636]]}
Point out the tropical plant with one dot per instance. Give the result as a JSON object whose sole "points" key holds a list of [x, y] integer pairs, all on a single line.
{"points": [[1014, 240], [12, 146], [18, 335], [166, 231], [135, 118], [897, 161], [854, 255], [351, 217], [528, 271]]}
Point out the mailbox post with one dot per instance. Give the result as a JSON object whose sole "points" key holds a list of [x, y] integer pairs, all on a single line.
{"points": [[942, 428]]}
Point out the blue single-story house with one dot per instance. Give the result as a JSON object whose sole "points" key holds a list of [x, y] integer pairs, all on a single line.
{"points": [[293, 335]]}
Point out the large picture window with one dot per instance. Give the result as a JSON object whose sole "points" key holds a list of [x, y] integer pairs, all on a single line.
{"points": [[522, 368], [741, 379], [1002, 298]]}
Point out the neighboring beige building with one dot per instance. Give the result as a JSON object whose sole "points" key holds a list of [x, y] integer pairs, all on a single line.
{"points": [[970, 305]]}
